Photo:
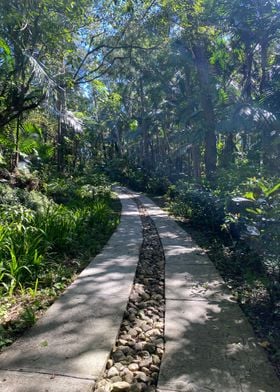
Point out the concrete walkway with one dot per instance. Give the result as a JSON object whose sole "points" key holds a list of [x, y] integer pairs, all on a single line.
{"points": [[68, 348], [210, 346]]}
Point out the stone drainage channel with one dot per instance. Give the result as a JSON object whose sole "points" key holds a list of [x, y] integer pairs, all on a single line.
{"points": [[135, 359]]}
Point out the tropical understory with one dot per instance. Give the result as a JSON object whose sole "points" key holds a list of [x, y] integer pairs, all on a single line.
{"points": [[47, 239]]}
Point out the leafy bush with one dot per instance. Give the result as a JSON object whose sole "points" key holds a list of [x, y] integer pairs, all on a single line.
{"points": [[83, 189], [197, 204], [260, 227], [137, 178], [157, 185]]}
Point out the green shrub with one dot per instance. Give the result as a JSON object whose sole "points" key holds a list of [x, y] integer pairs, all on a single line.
{"points": [[157, 185], [199, 205]]}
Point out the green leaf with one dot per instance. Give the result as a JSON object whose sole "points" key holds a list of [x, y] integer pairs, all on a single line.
{"points": [[273, 190], [5, 47], [257, 211], [249, 195], [133, 125], [31, 128]]}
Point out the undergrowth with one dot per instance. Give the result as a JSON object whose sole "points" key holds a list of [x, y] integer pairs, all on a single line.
{"points": [[46, 239]]}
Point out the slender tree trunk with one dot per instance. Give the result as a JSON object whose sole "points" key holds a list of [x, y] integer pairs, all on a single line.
{"points": [[144, 126], [152, 148], [75, 154], [202, 68], [16, 159], [247, 89], [61, 130], [244, 139], [196, 162], [228, 151], [264, 49]]}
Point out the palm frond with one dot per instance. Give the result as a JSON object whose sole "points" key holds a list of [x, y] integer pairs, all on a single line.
{"points": [[42, 76], [69, 118]]}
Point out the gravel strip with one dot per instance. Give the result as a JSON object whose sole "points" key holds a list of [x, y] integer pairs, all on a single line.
{"points": [[135, 360]]}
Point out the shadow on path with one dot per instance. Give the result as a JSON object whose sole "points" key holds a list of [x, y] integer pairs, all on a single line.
{"points": [[76, 335]]}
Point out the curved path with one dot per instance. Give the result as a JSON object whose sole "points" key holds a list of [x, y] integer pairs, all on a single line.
{"points": [[210, 346]]}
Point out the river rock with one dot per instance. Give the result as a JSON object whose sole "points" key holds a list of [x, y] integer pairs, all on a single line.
{"points": [[146, 362], [118, 356], [154, 332], [133, 367], [144, 354], [133, 332], [146, 327], [145, 370], [128, 376], [139, 346], [141, 376], [150, 348], [154, 368], [128, 360], [125, 349], [115, 379], [112, 372], [159, 350], [110, 363], [159, 343], [120, 386], [136, 387], [156, 359], [119, 366]]}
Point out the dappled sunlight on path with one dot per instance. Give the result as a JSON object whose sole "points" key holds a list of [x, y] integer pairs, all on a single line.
{"points": [[75, 336]]}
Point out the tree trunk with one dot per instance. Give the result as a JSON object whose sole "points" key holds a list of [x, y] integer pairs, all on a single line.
{"points": [[61, 130], [247, 89], [202, 68], [228, 151], [196, 162], [264, 49], [144, 126], [16, 159]]}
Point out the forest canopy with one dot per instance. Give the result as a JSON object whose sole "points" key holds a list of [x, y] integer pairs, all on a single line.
{"points": [[186, 87], [173, 97]]}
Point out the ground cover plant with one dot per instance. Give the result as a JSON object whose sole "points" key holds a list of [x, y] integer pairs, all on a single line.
{"points": [[44, 244]]}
